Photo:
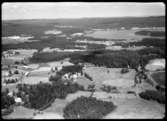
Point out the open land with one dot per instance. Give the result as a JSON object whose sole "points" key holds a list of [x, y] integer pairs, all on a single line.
{"points": [[59, 61]]}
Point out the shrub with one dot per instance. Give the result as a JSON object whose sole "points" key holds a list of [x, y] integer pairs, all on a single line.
{"points": [[87, 108], [7, 111], [88, 77], [55, 78], [49, 56], [159, 78], [154, 95], [151, 33], [111, 59], [6, 101], [71, 69], [38, 95], [61, 90], [16, 62], [131, 92], [16, 72], [41, 94], [149, 81], [124, 70], [109, 89], [155, 42], [160, 88]]}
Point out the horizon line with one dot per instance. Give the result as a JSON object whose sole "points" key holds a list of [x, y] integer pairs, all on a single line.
{"points": [[86, 17]]}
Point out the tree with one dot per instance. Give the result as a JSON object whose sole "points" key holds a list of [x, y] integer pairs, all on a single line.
{"points": [[6, 101], [91, 88], [124, 70], [16, 72], [87, 108]]}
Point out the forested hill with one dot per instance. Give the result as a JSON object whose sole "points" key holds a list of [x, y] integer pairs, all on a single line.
{"points": [[157, 21]]}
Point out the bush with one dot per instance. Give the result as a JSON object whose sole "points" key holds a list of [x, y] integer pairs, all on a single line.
{"points": [[88, 77], [38, 95], [71, 69], [155, 42], [109, 89], [55, 78], [87, 108], [159, 77], [111, 59], [42, 57], [149, 81], [7, 81], [124, 70], [153, 95], [41, 94], [7, 111], [160, 88], [6, 101], [151, 33], [61, 90], [16, 62], [16, 72]]}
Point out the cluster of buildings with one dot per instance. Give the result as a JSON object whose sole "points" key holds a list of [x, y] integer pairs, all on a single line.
{"points": [[70, 76], [18, 100], [9, 53]]}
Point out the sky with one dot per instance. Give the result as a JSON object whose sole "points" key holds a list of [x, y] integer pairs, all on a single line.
{"points": [[53, 10]]}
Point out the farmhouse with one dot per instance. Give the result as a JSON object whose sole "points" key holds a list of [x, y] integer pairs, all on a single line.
{"points": [[18, 100], [155, 64], [77, 34]]}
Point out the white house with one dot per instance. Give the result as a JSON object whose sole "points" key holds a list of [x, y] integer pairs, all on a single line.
{"points": [[26, 74], [18, 100], [66, 76], [155, 64], [5, 73], [74, 77], [10, 94], [59, 68]]}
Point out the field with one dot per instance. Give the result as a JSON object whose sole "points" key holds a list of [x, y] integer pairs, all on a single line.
{"points": [[39, 27], [111, 76], [16, 40], [136, 108], [116, 34]]}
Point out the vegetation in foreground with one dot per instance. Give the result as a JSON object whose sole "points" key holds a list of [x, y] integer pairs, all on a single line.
{"points": [[88, 108], [41, 95], [6, 100], [159, 77], [71, 69], [153, 95], [36, 96]]}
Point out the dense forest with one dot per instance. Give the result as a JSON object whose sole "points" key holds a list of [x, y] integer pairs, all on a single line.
{"points": [[88, 108], [148, 42], [151, 33], [38, 26], [31, 94]]}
